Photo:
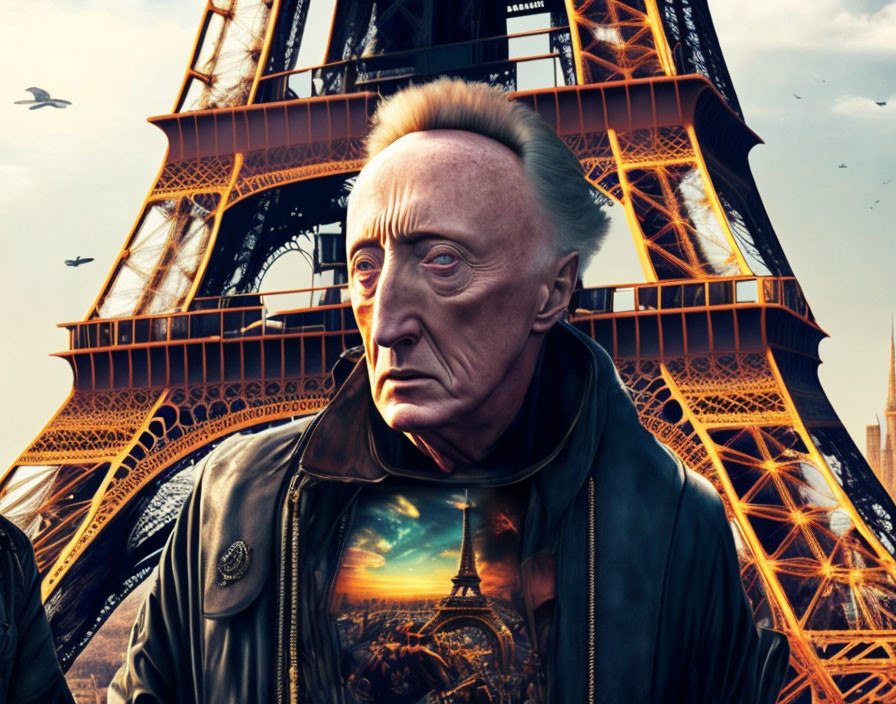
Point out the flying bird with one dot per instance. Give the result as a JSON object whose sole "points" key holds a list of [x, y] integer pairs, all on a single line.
{"points": [[42, 99], [887, 181], [881, 103], [875, 203], [78, 261], [842, 166], [798, 97]]}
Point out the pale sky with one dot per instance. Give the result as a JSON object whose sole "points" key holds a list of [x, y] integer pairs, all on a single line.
{"points": [[72, 181]]}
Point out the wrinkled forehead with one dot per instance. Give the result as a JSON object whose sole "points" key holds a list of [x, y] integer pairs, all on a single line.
{"points": [[453, 171], [432, 152]]}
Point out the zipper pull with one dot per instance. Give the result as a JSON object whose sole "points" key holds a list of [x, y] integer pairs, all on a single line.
{"points": [[292, 494], [293, 684]]}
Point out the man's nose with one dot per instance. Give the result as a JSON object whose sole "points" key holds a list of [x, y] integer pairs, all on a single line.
{"points": [[395, 311]]}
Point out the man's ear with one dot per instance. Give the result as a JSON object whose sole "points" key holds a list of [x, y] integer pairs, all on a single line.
{"points": [[561, 291]]}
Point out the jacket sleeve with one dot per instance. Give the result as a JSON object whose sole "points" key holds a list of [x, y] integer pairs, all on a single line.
{"points": [[158, 665], [36, 676], [729, 658]]}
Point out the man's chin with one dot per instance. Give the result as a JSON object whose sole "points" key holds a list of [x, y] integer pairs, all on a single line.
{"points": [[412, 418]]}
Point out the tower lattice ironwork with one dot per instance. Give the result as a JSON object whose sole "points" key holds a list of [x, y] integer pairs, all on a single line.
{"points": [[718, 346]]}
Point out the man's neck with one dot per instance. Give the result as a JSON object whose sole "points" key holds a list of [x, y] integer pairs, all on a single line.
{"points": [[473, 438]]}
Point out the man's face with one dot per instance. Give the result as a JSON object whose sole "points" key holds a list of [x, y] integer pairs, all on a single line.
{"points": [[450, 261]]}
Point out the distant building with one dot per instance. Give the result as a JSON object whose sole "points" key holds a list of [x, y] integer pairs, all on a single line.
{"points": [[883, 460], [872, 446]]}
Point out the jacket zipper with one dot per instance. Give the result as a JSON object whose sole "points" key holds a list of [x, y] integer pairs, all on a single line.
{"points": [[285, 537], [592, 576], [296, 611]]}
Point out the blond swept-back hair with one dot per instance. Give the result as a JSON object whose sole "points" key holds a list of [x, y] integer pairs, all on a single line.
{"points": [[562, 192]]}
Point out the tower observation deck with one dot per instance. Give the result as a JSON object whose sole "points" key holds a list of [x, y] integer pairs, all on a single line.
{"points": [[718, 346]]}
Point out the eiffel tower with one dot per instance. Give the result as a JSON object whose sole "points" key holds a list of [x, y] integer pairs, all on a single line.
{"points": [[718, 345], [466, 581], [465, 606]]}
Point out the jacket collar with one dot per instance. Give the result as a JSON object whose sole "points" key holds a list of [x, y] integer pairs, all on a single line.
{"points": [[351, 442]]}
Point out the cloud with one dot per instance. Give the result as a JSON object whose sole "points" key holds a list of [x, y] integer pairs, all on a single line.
{"points": [[368, 539], [824, 25], [359, 559], [403, 507], [863, 108], [868, 32], [499, 578]]}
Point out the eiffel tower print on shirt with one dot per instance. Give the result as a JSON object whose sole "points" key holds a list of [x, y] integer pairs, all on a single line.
{"points": [[428, 601]]}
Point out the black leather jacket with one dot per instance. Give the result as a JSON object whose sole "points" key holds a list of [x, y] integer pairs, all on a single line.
{"points": [[649, 602], [29, 670]]}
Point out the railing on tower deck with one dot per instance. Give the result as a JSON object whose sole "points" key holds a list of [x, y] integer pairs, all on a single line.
{"points": [[686, 317], [274, 336], [716, 293], [480, 59], [222, 317], [328, 310]]}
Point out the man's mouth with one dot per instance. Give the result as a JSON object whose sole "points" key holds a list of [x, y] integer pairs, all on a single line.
{"points": [[404, 374]]}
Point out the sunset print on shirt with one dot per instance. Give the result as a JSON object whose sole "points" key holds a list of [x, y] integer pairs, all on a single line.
{"points": [[429, 609]]}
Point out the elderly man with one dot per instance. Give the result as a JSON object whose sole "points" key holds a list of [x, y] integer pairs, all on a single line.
{"points": [[477, 516]]}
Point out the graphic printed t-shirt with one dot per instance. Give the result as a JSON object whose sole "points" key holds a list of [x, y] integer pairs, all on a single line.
{"points": [[431, 602]]}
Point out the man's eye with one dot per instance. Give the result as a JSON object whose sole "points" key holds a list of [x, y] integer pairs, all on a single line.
{"points": [[365, 265], [443, 259]]}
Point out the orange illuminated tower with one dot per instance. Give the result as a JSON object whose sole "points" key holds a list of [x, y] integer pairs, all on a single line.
{"points": [[718, 345]]}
